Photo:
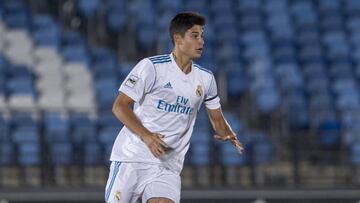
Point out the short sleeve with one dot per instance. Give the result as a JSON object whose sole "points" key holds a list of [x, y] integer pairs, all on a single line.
{"points": [[212, 100], [139, 81]]}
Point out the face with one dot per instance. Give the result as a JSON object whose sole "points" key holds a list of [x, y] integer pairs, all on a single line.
{"points": [[192, 43]]}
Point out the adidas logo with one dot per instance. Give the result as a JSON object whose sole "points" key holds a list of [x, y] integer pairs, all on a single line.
{"points": [[168, 85]]}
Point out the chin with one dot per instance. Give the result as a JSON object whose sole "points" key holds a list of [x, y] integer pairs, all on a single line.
{"points": [[196, 56]]}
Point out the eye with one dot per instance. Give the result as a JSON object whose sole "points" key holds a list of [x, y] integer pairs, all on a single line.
{"points": [[195, 35]]}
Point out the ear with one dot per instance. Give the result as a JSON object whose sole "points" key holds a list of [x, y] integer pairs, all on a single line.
{"points": [[177, 39]]}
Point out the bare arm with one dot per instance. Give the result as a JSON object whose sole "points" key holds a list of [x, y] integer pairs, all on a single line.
{"points": [[122, 109], [222, 128]]}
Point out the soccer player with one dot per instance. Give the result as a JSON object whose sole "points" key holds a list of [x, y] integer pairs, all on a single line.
{"points": [[167, 92]]}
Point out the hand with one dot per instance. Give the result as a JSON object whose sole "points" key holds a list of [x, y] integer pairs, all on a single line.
{"points": [[156, 145], [233, 139]]}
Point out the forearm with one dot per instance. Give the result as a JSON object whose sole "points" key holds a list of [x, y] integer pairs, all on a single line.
{"points": [[127, 116]]}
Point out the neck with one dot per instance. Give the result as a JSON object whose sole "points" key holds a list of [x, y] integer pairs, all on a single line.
{"points": [[183, 61]]}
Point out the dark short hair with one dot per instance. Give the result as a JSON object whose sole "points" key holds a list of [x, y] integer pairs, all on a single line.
{"points": [[184, 21]]}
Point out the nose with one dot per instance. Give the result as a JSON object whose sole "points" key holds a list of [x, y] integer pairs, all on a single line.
{"points": [[202, 41]]}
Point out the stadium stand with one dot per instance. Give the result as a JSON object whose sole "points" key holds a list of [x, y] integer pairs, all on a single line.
{"points": [[288, 68]]}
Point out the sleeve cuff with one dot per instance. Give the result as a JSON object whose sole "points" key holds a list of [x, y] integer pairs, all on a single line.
{"points": [[214, 103], [130, 94]]}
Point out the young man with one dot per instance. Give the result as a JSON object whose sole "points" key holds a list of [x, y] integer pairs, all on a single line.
{"points": [[167, 91]]}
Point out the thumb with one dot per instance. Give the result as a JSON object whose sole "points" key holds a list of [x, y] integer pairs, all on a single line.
{"points": [[218, 137]]}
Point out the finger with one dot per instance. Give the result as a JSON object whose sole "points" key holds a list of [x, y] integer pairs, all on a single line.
{"points": [[160, 141], [238, 145], [153, 151], [158, 149], [161, 149]]}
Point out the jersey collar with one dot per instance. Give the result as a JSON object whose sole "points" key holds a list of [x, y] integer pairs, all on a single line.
{"points": [[179, 69]]}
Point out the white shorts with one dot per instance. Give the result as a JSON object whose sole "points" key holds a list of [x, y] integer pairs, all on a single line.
{"points": [[130, 181]]}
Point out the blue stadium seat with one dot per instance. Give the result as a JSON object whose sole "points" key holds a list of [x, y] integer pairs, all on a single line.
{"points": [[57, 127], [236, 83], [41, 21], [311, 53], [49, 36], [83, 128], [321, 100], [170, 5], [99, 54], [200, 154], [355, 154], [332, 21], [276, 6], [267, 100], [230, 51], [298, 116], [201, 136], [248, 6], [7, 153], [88, 8], [4, 129], [330, 135], [108, 149], [106, 91], [26, 134], [93, 154], [72, 38], [229, 156], [104, 68], [83, 133], [75, 53], [223, 19], [353, 24], [251, 21], [263, 153], [147, 16], [352, 7], [14, 71], [16, 15], [329, 5], [146, 36], [29, 154], [224, 7], [61, 153], [308, 37], [116, 20], [21, 85], [108, 135], [108, 119]]}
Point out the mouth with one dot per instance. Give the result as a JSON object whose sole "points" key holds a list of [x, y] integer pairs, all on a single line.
{"points": [[199, 49]]}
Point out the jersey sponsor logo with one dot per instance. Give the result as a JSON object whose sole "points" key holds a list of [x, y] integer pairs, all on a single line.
{"points": [[168, 85], [182, 106], [131, 81], [117, 195], [199, 91]]}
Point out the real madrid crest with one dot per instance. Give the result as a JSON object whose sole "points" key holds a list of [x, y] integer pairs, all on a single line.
{"points": [[117, 195], [199, 91]]}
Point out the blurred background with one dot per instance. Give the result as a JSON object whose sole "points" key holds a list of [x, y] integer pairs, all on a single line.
{"points": [[288, 74]]}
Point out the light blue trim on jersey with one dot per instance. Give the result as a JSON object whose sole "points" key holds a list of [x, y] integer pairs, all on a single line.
{"points": [[116, 170], [159, 56], [165, 61], [160, 59], [201, 68]]}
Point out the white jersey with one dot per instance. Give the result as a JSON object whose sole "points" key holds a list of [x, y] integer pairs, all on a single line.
{"points": [[166, 102]]}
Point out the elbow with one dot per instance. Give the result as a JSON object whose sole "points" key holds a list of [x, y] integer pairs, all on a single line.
{"points": [[116, 108]]}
